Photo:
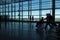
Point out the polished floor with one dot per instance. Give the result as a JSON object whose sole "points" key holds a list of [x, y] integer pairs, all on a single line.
{"points": [[25, 31]]}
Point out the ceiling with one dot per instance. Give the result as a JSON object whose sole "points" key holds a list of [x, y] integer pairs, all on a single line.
{"points": [[11, 1]]}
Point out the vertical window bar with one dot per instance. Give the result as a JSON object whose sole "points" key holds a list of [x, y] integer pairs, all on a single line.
{"points": [[19, 12], [40, 7], [22, 16], [28, 16], [8, 17], [14, 10], [2, 13], [30, 8], [28, 11], [2, 8], [5, 15], [14, 13], [11, 17], [19, 18], [53, 9]]}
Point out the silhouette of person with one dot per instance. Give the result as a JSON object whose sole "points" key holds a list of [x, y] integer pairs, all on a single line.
{"points": [[32, 18], [49, 20]]}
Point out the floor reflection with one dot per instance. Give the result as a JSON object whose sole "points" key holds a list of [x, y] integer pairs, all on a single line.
{"points": [[25, 31]]}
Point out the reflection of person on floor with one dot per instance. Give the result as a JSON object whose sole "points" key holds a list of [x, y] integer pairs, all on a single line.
{"points": [[39, 24], [49, 21]]}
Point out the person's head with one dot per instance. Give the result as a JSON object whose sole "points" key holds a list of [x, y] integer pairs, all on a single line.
{"points": [[48, 14], [42, 18]]}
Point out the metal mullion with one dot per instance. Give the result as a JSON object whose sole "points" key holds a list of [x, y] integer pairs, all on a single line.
{"points": [[19, 19], [53, 9], [14, 17], [2, 13], [28, 9], [0, 9], [31, 8], [12, 11], [28, 16], [29, 19], [19, 12], [5, 15], [15, 12], [11, 17], [40, 7], [8, 11], [30, 13], [22, 11], [8, 17], [22, 17]]}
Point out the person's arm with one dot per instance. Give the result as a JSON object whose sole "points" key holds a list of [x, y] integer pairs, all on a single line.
{"points": [[44, 18]]}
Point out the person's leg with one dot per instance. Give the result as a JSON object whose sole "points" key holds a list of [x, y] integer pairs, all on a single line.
{"points": [[46, 26], [51, 26]]}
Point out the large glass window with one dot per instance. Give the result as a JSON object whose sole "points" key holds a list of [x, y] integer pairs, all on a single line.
{"points": [[35, 13], [46, 4], [35, 4], [25, 5], [35, 8]]}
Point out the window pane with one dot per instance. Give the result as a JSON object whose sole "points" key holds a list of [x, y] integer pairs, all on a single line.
{"points": [[44, 12], [46, 4], [25, 13], [17, 14], [35, 4], [25, 18], [36, 18], [35, 12], [25, 5], [57, 3], [57, 15]]}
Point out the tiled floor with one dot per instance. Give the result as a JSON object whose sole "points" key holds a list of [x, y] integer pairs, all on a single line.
{"points": [[25, 31]]}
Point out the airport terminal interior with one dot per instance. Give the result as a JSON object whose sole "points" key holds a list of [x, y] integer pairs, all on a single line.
{"points": [[22, 20]]}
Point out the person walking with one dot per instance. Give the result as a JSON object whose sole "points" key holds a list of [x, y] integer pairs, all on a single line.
{"points": [[49, 21]]}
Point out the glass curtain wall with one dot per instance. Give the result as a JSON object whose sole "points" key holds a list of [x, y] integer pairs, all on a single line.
{"points": [[57, 10], [31, 10]]}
